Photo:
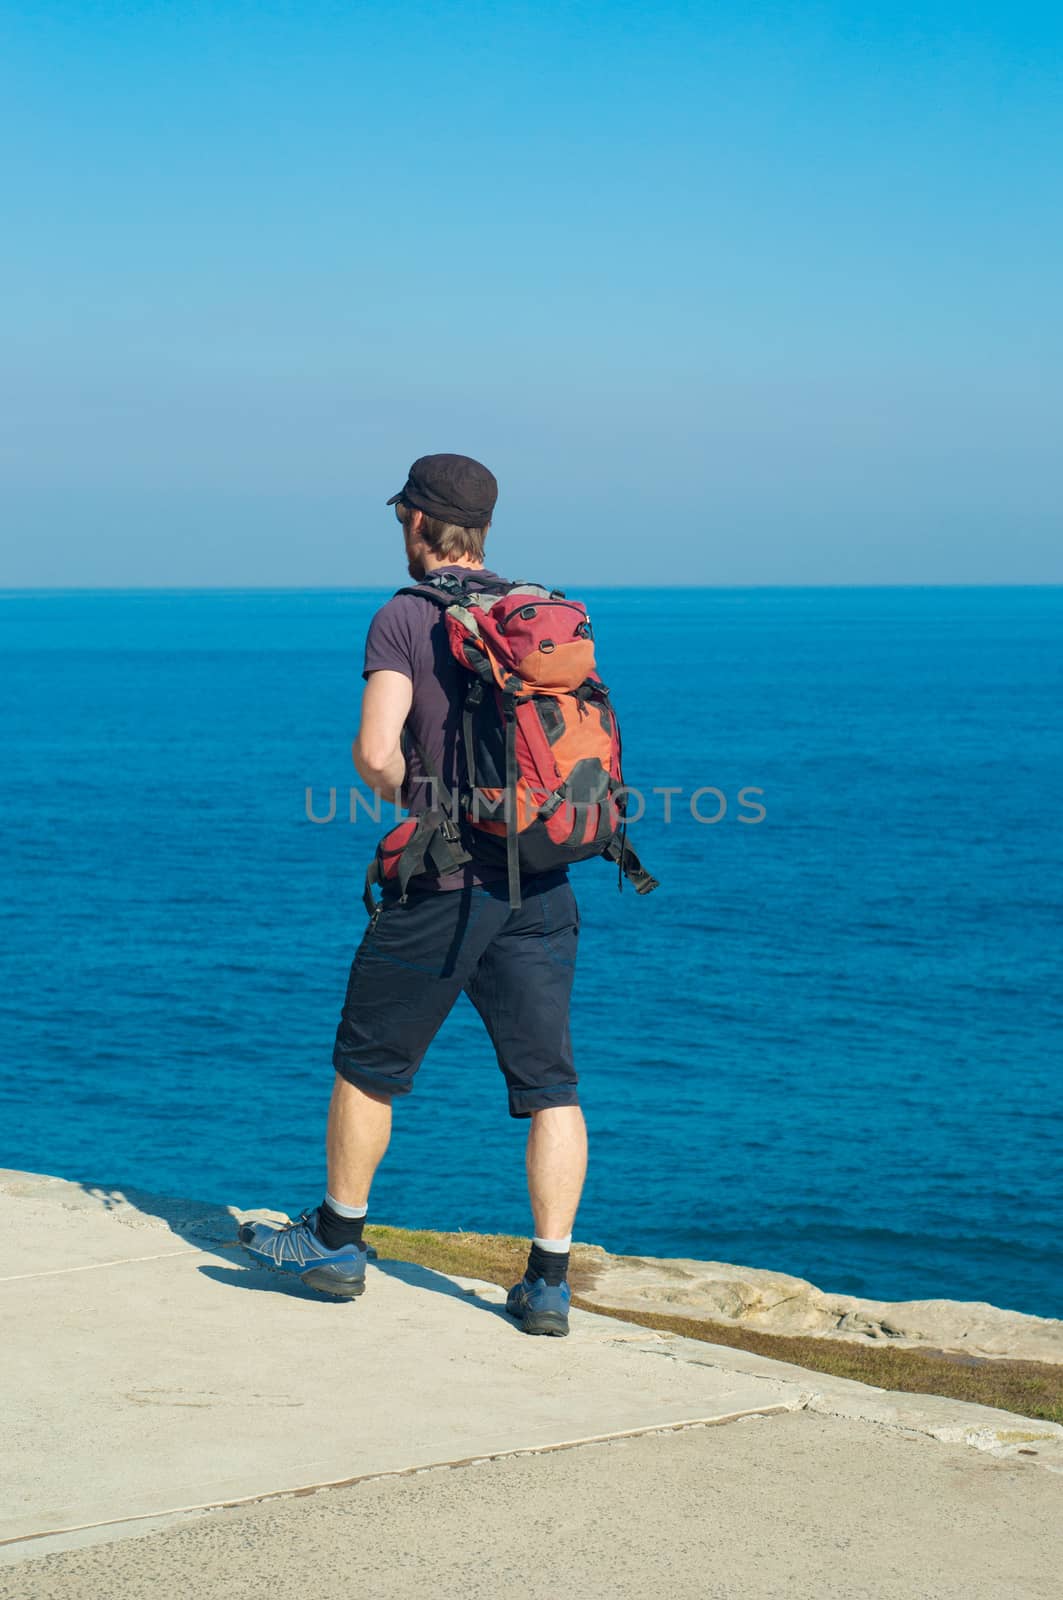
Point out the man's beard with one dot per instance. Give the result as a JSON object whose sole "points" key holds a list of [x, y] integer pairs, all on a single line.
{"points": [[416, 569]]}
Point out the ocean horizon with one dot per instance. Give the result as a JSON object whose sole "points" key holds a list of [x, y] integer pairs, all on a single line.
{"points": [[828, 1045]]}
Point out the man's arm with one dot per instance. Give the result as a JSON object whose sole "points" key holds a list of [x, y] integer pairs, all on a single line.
{"points": [[377, 750]]}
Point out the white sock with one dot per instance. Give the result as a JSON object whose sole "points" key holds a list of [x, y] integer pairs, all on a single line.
{"points": [[556, 1247], [352, 1212]]}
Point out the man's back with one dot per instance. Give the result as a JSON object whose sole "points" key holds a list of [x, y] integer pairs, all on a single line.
{"points": [[409, 635]]}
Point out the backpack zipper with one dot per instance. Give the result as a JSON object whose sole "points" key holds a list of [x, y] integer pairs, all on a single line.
{"points": [[568, 605]]}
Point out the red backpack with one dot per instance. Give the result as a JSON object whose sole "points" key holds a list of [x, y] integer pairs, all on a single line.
{"points": [[541, 781]]}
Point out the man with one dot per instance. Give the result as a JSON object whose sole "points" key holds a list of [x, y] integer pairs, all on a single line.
{"points": [[452, 933]]}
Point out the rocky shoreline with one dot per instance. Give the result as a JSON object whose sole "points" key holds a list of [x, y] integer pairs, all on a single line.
{"points": [[773, 1302]]}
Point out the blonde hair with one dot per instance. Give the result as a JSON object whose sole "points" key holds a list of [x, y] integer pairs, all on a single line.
{"points": [[447, 539]]}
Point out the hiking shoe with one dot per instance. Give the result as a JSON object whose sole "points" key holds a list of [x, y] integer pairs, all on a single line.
{"points": [[294, 1248], [539, 1306]]}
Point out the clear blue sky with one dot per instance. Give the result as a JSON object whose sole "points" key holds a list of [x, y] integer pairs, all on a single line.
{"points": [[723, 293]]}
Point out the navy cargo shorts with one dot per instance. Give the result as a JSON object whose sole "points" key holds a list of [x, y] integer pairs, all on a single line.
{"points": [[516, 967]]}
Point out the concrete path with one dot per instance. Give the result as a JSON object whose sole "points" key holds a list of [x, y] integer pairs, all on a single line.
{"points": [[792, 1507], [152, 1376]]}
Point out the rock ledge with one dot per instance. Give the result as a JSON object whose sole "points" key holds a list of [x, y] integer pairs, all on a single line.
{"points": [[773, 1302]]}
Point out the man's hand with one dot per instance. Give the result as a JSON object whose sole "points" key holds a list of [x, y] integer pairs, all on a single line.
{"points": [[377, 751]]}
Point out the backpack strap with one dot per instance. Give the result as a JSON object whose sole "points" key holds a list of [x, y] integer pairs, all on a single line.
{"points": [[412, 860], [509, 716], [474, 695], [631, 867], [445, 800], [445, 590]]}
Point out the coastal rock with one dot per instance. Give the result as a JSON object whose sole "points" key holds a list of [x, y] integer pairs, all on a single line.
{"points": [[773, 1302]]}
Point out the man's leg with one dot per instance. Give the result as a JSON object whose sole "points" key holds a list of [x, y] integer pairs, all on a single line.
{"points": [[521, 988], [557, 1165], [408, 971], [359, 1127]]}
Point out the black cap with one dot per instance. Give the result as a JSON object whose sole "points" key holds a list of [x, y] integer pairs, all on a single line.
{"points": [[456, 489]]}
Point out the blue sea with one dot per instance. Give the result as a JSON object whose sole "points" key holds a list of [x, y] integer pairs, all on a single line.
{"points": [[829, 1044]]}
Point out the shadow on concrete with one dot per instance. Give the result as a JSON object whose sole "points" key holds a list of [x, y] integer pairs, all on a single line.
{"points": [[425, 1278], [203, 1223], [212, 1228], [262, 1280]]}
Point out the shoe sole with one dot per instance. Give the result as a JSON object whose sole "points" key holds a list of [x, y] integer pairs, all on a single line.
{"points": [[551, 1323], [335, 1290], [320, 1279]]}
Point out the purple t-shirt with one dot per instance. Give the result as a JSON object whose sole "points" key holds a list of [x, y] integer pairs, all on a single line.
{"points": [[409, 635]]}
